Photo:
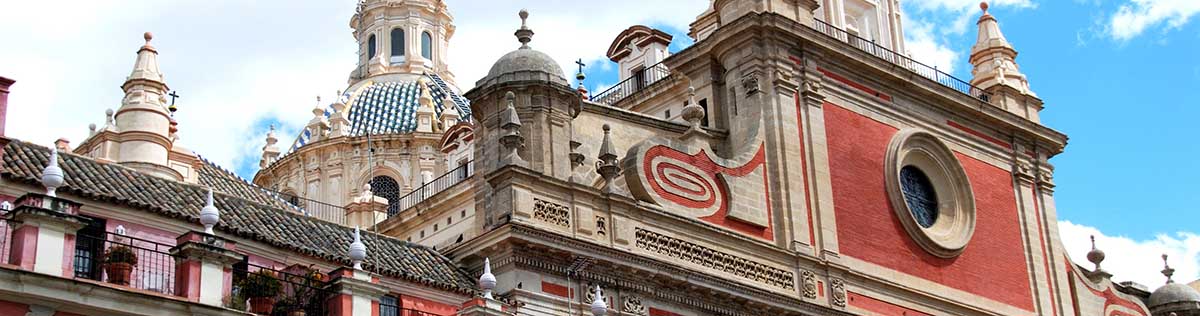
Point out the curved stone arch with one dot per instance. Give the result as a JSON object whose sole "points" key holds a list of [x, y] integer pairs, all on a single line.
{"points": [[366, 176]]}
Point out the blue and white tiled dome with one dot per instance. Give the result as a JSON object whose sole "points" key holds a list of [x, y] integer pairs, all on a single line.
{"points": [[390, 108]]}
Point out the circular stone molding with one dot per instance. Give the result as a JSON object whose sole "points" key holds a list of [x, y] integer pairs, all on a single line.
{"points": [[955, 220]]}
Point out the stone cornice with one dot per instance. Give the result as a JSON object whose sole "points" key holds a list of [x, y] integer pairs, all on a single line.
{"points": [[633, 262]]}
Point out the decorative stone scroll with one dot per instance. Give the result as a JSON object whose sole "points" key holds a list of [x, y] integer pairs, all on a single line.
{"points": [[551, 212], [732, 193], [633, 306], [837, 288], [714, 259], [810, 284]]}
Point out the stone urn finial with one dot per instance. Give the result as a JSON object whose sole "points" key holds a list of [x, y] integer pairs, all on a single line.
{"points": [[608, 166], [599, 308], [209, 215], [487, 281], [52, 175], [358, 250]]}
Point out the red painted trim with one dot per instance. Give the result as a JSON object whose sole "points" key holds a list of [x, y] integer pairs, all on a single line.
{"points": [[187, 280], [710, 170], [820, 289], [979, 134], [68, 260], [23, 250], [855, 85], [879, 307], [555, 289], [658, 312], [13, 308], [1042, 245], [1110, 297]]}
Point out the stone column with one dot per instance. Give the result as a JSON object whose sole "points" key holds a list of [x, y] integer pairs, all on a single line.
{"points": [[357, 293], [44, 234], [203, 267]]}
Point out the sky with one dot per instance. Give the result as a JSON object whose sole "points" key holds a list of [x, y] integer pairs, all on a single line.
{"points": [[1120, 77]]}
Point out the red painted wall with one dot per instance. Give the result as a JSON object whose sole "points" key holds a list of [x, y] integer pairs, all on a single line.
{"points": [[993, 264], [13, 309], [425, 305]]}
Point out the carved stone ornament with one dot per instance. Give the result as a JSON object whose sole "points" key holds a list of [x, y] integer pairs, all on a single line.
{"points": [[810, 284], [601, 228], [750, 83], [837, 288], [713, 259], [552, 213], [633, 306]]}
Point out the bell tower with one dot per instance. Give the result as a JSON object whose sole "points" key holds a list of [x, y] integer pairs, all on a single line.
{"points": [[143, 120], [996, 71]]}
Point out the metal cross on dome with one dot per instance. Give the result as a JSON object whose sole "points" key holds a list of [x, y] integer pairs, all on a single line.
{"points": [[173, 96], [579, 76]]}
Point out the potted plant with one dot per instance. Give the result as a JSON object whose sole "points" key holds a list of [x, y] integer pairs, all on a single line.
{"points": [[305, 295], [119, 261], [261, 288]]}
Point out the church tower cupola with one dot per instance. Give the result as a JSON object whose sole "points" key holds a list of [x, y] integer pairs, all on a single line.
{"points": [[402, 37], [143, 120], [996, 72]]}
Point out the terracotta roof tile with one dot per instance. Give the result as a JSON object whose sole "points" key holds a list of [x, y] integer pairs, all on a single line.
{"points": [[247, 211]]}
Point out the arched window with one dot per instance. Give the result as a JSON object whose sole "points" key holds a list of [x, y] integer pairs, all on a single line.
{"points": [[397, 40], [426, 45], [371, 47], [388, 188]]}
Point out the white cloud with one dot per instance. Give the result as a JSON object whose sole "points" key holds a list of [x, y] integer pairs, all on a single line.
{"points": [[238, 63], [1135, 260], [928, 48], [1134, 17]]}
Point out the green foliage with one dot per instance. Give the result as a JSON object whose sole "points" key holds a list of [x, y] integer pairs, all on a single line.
{"points": [[261, 283], [120, 254]]}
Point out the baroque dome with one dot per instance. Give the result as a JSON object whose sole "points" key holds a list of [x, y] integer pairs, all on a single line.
{"points": [[524, 63], [1173, 293], [388, 107]]}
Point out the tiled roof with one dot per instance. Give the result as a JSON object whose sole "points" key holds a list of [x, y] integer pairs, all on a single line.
{"points": [[221, 180], [243, 214], [389, 108]]}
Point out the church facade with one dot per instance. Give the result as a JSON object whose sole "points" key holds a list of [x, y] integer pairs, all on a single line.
{"points": [[790, 162]]}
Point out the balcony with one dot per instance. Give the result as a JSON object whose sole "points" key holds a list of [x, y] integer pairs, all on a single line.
{"points": [[874, 49], [442, 183], [638, 81]]}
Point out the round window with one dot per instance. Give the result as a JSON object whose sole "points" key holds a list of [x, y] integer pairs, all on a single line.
{"points": [[919, 195], [930, 193]]}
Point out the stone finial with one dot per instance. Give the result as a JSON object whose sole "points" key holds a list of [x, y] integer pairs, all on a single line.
{"points": [[511, 138], [92, 129], [358, 250], [1096, 256], [109, 122], [52, 175], [121, 230], [983, 5], [692, 112], [5, 206], [1167, 270], [599, 308], [209, 215], [524, 34], [487, 281], [608, 167]]}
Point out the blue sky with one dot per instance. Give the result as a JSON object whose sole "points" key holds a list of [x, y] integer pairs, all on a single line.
{"points": [[1120, 77]]}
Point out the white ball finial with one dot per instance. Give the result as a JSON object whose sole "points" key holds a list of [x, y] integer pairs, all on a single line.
{"points": [[121, 230], [52, 175], [209, 215], [487, 281], [598, 306], [358, 250]]}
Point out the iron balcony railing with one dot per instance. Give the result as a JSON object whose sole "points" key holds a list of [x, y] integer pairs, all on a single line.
{"points": [[931, 73], [126, 261], [445, 181], [263, 290], [637, 81], [324, 211]]}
